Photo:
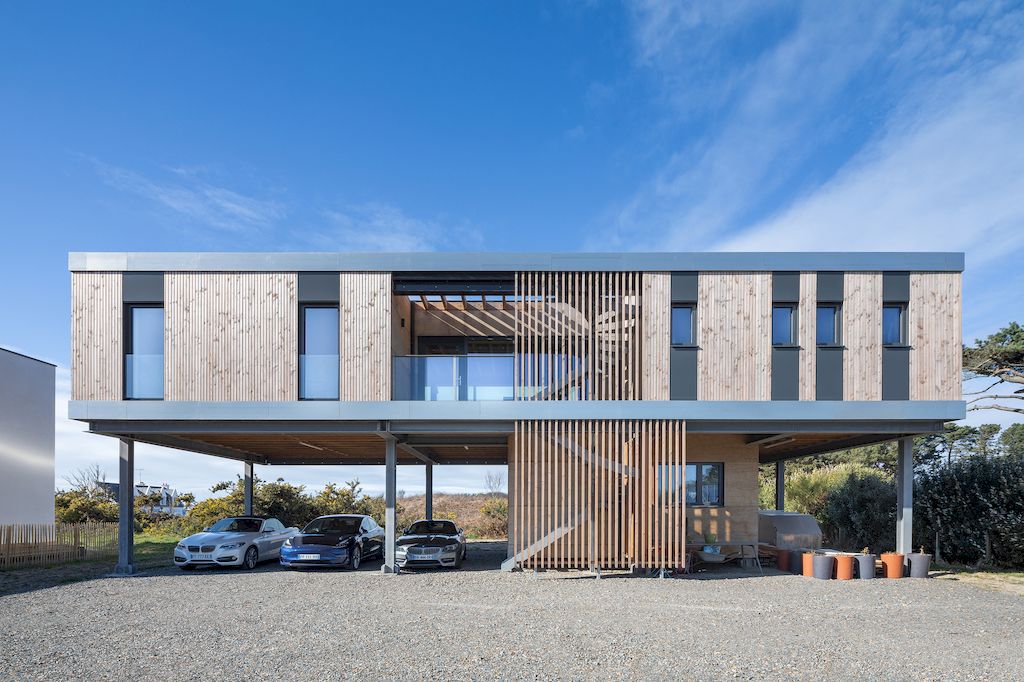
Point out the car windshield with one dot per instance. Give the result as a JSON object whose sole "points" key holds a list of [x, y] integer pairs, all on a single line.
{"points": [[433, 528], [237, 526], [334, 524]]}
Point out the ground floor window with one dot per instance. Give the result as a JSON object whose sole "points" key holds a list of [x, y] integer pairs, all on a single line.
{"points": [[705, 484]]}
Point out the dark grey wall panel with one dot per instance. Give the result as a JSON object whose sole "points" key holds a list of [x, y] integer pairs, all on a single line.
{"points": [[896, 287], [785, 373], [895, 373], [830, 287], [683, 374], [319, 287], [142, 287], [785, 287], [684, 287], [829, 374]]}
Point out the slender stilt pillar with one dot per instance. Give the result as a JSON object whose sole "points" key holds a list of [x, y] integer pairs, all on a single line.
{"points": [[780, 485], [126, 509], [247, 492], [429, 501], [905, 496], [390, 484]]}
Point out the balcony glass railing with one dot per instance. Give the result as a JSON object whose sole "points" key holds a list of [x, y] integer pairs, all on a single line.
{"points": [[453, 377], [144, 377], [318, 377]]}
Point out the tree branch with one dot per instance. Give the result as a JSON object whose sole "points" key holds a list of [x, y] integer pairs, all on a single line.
{"points": [[1004, 408], [1012, 396], [985, 390]]}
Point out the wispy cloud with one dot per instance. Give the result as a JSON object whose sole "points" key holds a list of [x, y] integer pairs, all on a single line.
{"points": [[187, 194], [382, 227], [783, 116]]}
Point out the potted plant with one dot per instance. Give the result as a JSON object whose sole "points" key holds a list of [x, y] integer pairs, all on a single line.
{"points": [[920, 563], [844, 566], [710, 547], [807, 562], [866, 564], [892, 564], [823, 565]]}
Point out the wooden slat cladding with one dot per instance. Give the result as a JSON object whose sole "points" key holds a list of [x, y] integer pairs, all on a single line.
{"points": [[656, 326], [97, 330], [862, 336], [598, 493], [934, 333], [734, 318], [807, 318], [365, 345], [577, 336], [231, 336]]}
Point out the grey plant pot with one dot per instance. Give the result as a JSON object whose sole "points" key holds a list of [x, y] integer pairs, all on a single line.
{"points": [[866, 566], [796, 561], [919, 564], [824, 566]]}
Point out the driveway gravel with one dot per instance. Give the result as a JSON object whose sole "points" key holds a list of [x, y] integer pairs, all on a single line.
{"points": [[478, 623]]}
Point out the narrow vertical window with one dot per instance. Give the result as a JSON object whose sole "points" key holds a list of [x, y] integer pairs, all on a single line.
{"points": [[827, 328], [682, 325], [318, 359], [144, 359], [893, 325], [783, 325]]}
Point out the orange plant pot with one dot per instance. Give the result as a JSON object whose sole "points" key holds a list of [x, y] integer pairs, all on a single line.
{"points": [[892, 564], [808, 564], [782, 560], [844, 567]]}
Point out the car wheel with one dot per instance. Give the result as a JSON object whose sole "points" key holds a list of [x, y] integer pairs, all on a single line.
{"points": [[356, 558], [251, 557]]}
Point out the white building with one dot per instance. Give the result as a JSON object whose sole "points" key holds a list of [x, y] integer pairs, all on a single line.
{"points": [[27, 388]]}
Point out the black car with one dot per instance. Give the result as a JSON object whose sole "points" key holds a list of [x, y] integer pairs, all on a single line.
{"points": [[435, 542], [335, 540]]}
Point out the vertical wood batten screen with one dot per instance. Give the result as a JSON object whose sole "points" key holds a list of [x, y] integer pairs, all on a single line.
{"points": [[230, 336], [807, 319], [97, 328], [577, 336], [598, 493], [934, 335], [365, 344]]}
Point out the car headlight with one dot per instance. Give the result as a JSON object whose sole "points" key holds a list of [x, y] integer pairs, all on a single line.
{"points": [[400, 549], [181, 545], [451, 548], [342, 545], [233, 545]]}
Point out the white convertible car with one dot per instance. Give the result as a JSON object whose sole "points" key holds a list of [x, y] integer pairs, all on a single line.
{"points": [[235, 541]]}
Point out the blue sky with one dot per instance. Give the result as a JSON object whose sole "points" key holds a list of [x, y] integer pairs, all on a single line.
{"points": [[485, 126]]}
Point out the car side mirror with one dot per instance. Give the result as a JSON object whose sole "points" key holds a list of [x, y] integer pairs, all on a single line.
{"points": [[268, 530]]}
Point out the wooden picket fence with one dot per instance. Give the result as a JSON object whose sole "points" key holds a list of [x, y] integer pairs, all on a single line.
{"points": [[38, 544]]}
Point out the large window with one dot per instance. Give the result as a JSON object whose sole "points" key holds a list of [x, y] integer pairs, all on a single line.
{"points": [[828, 325], [705, 484], [783, 325], [894, 332], [318, 359], [144, 359], [682, 325]]}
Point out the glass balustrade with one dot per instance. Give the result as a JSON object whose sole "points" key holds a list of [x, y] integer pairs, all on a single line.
{"points": [[452, 377], [144, 377]]}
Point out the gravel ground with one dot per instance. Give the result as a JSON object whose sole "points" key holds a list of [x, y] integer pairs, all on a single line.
{"points": [[481, 624]]}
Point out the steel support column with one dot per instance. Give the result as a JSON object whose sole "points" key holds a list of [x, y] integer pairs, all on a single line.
{"points": [[429, 496], [780, 485], [126, 509], [247, 492], [905, 496], [390, 485]]}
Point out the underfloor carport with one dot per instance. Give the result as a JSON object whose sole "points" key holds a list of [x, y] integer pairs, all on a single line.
{"points": [[473, 441]]}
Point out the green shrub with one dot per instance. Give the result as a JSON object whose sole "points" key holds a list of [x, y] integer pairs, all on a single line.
{"points": [[860, 512]]}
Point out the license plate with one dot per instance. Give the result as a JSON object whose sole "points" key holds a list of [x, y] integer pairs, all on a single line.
{"points": [[309, 557], [202, 557]]}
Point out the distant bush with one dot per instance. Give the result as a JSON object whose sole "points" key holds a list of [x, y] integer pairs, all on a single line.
{"points": [[860, 512]]}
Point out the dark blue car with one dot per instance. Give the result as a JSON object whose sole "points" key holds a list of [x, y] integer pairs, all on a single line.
{"points": [[337, 540]]}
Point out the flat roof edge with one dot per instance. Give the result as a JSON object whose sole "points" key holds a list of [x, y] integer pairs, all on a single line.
{"points": [[862, 261]]}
